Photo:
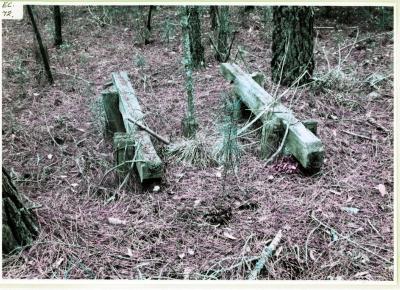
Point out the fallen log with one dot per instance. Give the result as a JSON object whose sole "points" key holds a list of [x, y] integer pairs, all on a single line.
{"points": [[149, 164], [300, 142]]}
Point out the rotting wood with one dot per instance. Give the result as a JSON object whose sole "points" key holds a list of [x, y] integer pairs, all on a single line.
{"points": [[114, 122], [300, 142], [124, 151], [149, 164]]}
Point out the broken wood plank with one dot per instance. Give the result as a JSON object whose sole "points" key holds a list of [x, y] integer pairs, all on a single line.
{"points": [[301, 142], [149, 164], [114, 122]]}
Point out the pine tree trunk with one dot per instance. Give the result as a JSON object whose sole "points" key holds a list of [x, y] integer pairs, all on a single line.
{"points": [[57, 25], [20, 226], [148, 25], [43, 51], [223, 33], [292, 44], [214, 17], [196, 48], [189, 123]]}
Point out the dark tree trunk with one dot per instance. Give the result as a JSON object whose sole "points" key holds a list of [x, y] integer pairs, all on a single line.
{"points": [[223, 33], [244, 15], [196, 48], [20, 226], [148, 25], [214, 17], [57, 25], [43, 51], [292, 44]]}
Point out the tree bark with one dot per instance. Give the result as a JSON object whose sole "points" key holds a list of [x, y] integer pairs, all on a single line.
{"points": [[189, 123], [57, 25], [214, 17], [42, 49], [20, 226], [223, 33], [148, 25], [196, 48], [292, 44]]}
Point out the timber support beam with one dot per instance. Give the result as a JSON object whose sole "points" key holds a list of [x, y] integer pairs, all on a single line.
{"points": [[301, 140]]}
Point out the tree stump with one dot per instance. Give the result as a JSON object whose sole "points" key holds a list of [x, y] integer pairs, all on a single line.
{"points": [[20, 226]]}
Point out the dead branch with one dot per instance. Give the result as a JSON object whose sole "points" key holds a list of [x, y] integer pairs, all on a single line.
{"points": [[148, 130], [358, 135], [266, 254]]}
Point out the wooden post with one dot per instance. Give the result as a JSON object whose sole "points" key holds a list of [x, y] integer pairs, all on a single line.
{"points": [[114, 122], [43, 51], [124, 147]]}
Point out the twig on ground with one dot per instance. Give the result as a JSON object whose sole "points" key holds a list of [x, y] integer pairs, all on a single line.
{"points": [[376, 231], [379, 126], [266, 254], [358, 135]]}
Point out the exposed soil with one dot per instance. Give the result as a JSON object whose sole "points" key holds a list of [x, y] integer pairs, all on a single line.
{"points": [[54, 147]]}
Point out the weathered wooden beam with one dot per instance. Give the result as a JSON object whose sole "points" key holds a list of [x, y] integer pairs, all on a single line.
{"points": [[301, 142], [114, 122], [124, 152], [149, 164]]}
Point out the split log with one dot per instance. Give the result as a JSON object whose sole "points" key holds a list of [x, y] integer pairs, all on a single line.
{"points": [[300, 142], [20, 226], [149, 164]]}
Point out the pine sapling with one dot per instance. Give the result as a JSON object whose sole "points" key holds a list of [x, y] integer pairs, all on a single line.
{"points": [[189, 123]]}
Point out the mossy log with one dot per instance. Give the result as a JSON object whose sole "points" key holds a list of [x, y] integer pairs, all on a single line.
{"points": [[148, 164], [300, 142], [20, 226]]}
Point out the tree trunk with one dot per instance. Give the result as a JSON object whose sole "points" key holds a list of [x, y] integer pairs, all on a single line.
{"points": [[148, 25], [196, 48], [57, 25], [20, 226], [42, 49], [292, 44], [214, 17], [223, 31], [189, 123]]}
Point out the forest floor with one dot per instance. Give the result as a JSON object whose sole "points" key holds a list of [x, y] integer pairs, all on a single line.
{"points": [[54, 147]]}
